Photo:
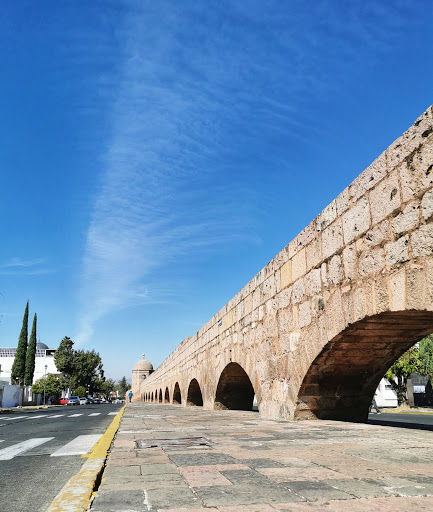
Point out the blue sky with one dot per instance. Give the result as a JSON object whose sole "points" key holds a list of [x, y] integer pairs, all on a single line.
{"points": [[156, 155]]}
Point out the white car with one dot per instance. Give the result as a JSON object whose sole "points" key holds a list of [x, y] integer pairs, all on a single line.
{"points": [[84, 401], [73, 400]]}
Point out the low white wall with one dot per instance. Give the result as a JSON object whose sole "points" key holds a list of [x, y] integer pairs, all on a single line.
{"points": [[12, 396]]}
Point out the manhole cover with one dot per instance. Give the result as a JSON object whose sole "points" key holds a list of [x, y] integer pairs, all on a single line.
{"points": [[182, 441]]}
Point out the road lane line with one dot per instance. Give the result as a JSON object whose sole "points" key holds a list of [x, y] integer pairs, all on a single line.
{"points": [[112, 413], [55, 416], [14, 418], [14, 450], [75, 415], [95, 414], [38, 416], [78, 446]]}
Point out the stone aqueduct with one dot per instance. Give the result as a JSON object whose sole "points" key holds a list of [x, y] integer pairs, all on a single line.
{"points": [[312, 333]]}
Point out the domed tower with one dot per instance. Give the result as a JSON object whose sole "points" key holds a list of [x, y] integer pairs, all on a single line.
{"points": [[142, 369]]}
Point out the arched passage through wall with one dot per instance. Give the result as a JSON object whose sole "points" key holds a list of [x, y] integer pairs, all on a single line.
{"points": [[194, 396], [166, 396], [234, 390], [160, 396], [342, 379], [152, 396], [177, 397], [156, 395]]}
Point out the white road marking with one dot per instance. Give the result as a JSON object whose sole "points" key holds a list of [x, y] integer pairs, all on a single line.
{"points": [[112, 413], [78, 446], [75, 415], [14, 418], [38, 416], [1, 440], [55, 416], [95, 414], [14, 450]]}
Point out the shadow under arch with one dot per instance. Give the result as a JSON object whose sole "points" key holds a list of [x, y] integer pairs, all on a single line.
{"points": [[234, 390], [341, 381], [160, 396], [156, 395], [194, 396], [177, 397], [152, 396], [166, 396]]}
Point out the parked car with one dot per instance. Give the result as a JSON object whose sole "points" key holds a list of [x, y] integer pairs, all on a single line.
{"points": [[84, 401], [96, 400], [63, 401], [73, 400]]}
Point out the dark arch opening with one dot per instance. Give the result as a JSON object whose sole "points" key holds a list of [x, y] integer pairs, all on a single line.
{"points": [[177, 398], [156, 395], [166, 396], [194, 396], [160, 396], [234, 390], [341, 381], [152, 396]]}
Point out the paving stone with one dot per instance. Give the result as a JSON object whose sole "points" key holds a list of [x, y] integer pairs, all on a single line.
{"points": [[172, 498], [263, 463], [359, 488], [202, 459], [117, 501], [313, 491]]}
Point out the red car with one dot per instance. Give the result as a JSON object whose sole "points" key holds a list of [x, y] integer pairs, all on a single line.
{"points": [[63, 401]]}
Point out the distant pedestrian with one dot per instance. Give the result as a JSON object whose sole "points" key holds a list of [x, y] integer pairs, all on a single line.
{"points": [[374, 405], [130, 396]]}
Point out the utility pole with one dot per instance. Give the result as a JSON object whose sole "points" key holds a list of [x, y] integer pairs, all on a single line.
{"points": [[45, 381]]}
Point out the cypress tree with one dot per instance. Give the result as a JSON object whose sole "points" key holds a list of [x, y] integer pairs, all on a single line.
{"points": [[19, 366], [30, 356]]}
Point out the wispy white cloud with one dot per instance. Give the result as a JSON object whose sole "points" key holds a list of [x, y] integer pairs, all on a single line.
{"points": [[19, 266], [195, 85]]}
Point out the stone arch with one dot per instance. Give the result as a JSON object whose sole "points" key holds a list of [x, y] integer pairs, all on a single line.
{"points": [[152, 396], [156, 395], [160, 396], [194, 396], [177, 397], [341, 381], [166, 396], [234, 390]]}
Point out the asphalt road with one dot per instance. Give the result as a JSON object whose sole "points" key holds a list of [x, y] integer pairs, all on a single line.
{"points": [[39, 451], [405, 420]]}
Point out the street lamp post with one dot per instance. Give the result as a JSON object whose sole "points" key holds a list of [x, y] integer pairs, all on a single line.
{"points": [[45, 381]]}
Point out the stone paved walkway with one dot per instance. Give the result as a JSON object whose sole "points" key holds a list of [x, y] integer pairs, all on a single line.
{"points": [[248, 464]]}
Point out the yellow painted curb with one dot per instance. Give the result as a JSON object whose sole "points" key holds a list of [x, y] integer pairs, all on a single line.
{"points": [[76, 493]]}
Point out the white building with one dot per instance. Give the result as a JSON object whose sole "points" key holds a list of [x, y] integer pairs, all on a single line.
{"points": [[385, 396], [44, 362]]}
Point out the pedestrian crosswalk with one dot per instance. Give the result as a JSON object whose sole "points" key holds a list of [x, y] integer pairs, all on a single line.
{"points": [[50, 416], [78, 446]]}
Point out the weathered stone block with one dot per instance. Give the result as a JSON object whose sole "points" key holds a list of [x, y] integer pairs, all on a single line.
{"points": [[427, 205], [371, 261], [343, 202], [397, 285], [299, 265], [298, 291], [407, 220], [286, 275], [327, 216], [304, 314], [385, 198], [349, 261], [415, 288], [422, 241], [314, 252], [313, 282], [335, 270], [398, 251], [416, 173], [368, 178], [332, 239], [356, 221]]}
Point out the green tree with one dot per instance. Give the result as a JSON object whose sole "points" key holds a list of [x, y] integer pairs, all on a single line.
{"points": [[88, 371], [19, 365], [122, 387], [410, 362], [426, 356], [65, 360], [30, 356], [107, 388], [53, 386], [80, 392]]}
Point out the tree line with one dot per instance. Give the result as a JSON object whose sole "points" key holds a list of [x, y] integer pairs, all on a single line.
{"points": [[81, 370]]}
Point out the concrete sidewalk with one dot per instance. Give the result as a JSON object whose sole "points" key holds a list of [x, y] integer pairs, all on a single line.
{"points": [[170, 458]]}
